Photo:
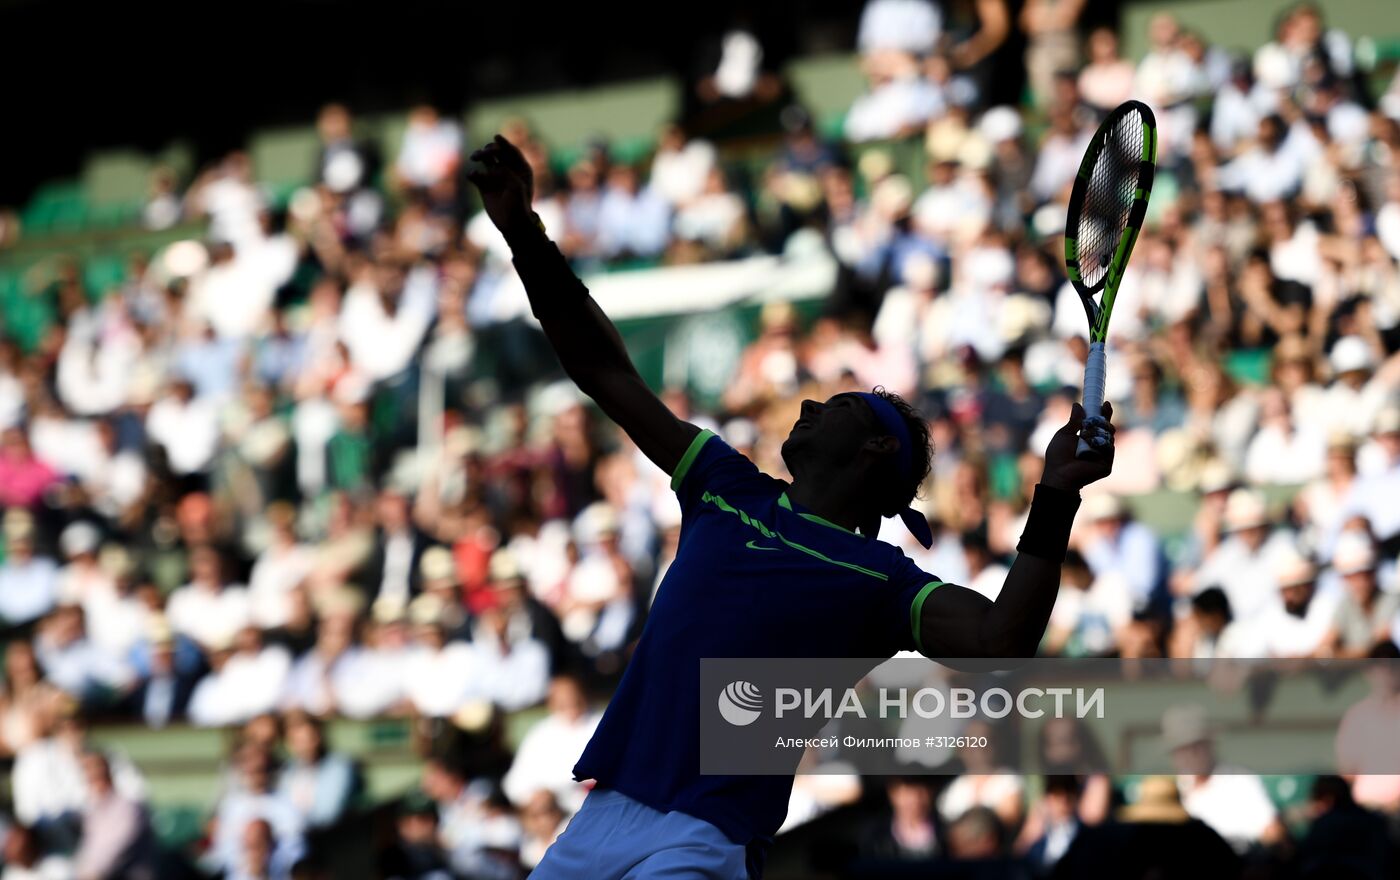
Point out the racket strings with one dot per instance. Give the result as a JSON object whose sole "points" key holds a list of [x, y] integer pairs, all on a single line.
{"points": [[1108, 198]]}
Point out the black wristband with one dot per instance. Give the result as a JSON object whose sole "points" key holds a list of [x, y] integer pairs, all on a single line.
{"points": [[1048, 523], [544, 271]]}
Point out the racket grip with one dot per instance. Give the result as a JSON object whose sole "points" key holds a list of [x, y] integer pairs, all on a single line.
{"points": [[1095, 374]]}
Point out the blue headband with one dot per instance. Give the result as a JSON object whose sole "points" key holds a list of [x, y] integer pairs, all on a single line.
{"points": [[892, 423]]}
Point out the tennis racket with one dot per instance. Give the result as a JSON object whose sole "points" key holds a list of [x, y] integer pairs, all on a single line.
{"points": [[1106, 209]]}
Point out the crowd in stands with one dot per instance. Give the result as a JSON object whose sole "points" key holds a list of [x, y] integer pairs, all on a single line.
{"points": [[221, 507]]}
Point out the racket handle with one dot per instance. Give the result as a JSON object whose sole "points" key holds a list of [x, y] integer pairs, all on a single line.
{"points": [[1095, 374]]}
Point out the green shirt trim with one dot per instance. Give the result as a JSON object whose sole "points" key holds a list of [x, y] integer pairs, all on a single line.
{"points": [[688, 459], [785, 503], [916, 610]]}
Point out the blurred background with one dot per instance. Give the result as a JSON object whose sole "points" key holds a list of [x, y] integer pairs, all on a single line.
{"points": [[314, 566]]}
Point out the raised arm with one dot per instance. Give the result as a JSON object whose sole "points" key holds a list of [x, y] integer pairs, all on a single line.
{"points": [[588, 345], [955, 622]]}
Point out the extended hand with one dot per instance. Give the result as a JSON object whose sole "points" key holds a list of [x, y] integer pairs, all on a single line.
{"points": [[1062, 469], [506, 184]]}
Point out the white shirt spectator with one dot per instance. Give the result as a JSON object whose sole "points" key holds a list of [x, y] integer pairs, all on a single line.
{"points": [[1263, 176], [903, 25], [94, 376], [546, 758], [188, 430], [679, 176], [309, 684], [248, 684], [241, 807], [513, 674], [1236, 806], [1281, 456], [383, 345], [1373, 498], [1246, 576], [234, 296], [276, 573], [72, 446], [438, 681], [892, 107], [1057, 163], [1281, 634], [210, 617], [78, 666], [369, 681], [48, 780], [28, 588], [431, 149]]}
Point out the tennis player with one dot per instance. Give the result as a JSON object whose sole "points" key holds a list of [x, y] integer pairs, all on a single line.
{"points": [[765, 568]]}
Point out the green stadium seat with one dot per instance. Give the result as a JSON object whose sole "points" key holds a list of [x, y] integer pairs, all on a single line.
{"points": [[827, 85], [284, 158], [117, 177], [628, 115], [103, 272], [177, 826], [1249, 366]]}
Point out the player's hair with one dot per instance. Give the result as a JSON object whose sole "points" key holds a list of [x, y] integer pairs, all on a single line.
{"points": [[898, 492]]}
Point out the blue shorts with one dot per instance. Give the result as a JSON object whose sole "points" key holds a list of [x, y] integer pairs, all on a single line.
{"points": [[613, 837]]}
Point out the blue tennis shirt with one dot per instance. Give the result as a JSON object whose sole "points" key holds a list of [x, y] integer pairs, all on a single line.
{"points": [[754, 576]]}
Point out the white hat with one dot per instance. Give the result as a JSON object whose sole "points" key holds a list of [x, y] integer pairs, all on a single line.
{"points": [[595, 521], [1102, 506], [436, 564], [1185, 725], [1293, 569], [1387, 421], [1245, 509], [1353, 554], [1351, 353], [79, 538], [740, 432], [1215, 477], [1000, 124]]}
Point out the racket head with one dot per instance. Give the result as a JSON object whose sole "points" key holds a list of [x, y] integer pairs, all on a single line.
{"points": [[1107, 205]]}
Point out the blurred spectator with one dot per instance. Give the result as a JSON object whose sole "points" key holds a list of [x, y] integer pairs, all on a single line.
{"points": [[912, 829], [246, 680], [1343, 839], [911, 26], [257, 830], [1116, 547], [1154, 836], [24, 858], [899, 101], [1299, 623], [343, 164], [548, 752], [415, 853], [1107, 80], [1365, 615], [23, 477], [117, 838], [431, 149], [541, 822], [1060, 809], [1052, 42], [632, 219], [209, 609], [85, 671], [49, 785], [168, 679], [1233, 803], [1243, 563], [28, 582], [318, 783]]}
